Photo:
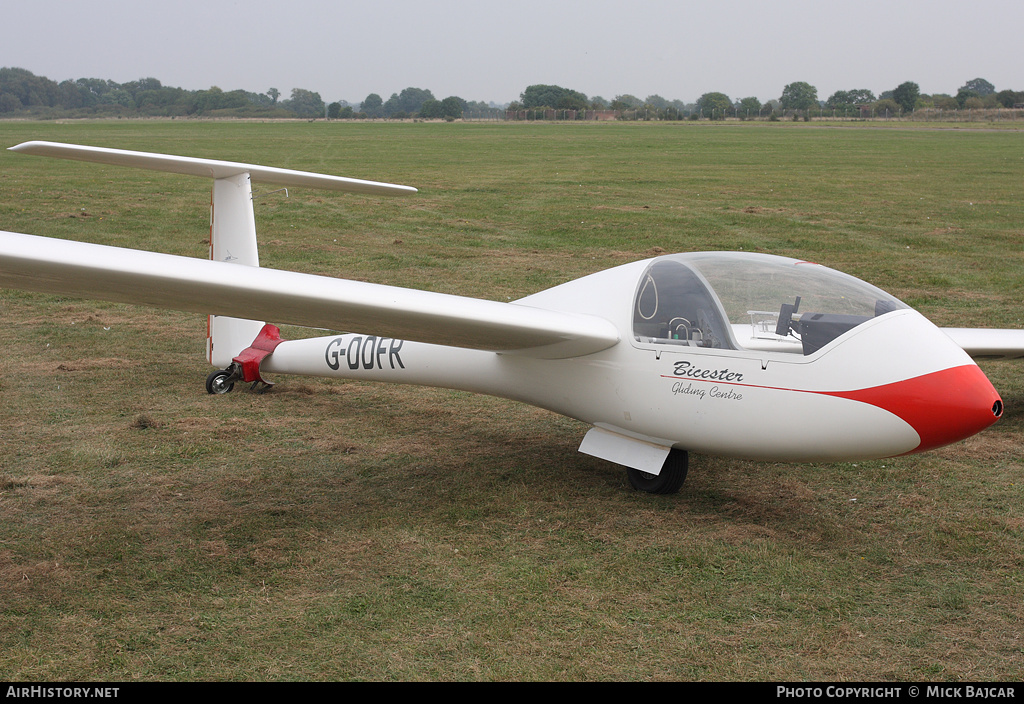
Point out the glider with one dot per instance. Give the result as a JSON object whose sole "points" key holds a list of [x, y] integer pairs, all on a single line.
{"points": [[729, 353]]}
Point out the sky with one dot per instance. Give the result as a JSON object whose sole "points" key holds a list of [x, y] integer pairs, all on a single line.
{"points": [[490, 50]]}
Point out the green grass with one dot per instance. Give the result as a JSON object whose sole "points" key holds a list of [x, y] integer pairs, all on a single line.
{"points": [[346, 530]]}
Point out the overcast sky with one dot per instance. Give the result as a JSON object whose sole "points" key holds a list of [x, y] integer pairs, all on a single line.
{"points": [[491, 50]]}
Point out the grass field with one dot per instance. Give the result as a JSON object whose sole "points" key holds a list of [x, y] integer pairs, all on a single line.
{"points": [[344, 530]]}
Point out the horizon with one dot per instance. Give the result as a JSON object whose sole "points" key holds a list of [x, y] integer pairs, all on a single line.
{"points": [[491, 51], [492, 104]]}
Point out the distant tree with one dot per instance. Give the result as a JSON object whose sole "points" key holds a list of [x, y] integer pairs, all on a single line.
{"points": [[9, 103], [626, 102], [799, 96], [480, 108], [96, 87], [74, 95], [452, 107], [391, 105], [372, 105], [886, 107], [656, 101], [408, 101], [119, 97], [141, 85], [71, 96], [748, 107], [165, 101], [200, 101], [838, 100], [550, 96], [714, 105], [669, 112], [861, 96], [944, 102], [274, 94], [598, 103], [203, 101], [979, 86], [906, 94], [849, 100], [30, 90], [305, 103], [260, 99], [964, 94], [431, 109], [1009, 98], [334, 111]]}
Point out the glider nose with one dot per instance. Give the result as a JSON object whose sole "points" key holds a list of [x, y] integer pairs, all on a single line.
{"points": [[946, 406], [942, 395]]}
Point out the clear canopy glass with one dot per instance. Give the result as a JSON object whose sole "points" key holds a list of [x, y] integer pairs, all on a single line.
{"points": [[740, 300]]}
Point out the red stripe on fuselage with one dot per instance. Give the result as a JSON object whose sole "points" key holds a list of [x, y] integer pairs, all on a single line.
{"points": [[943, 407]]}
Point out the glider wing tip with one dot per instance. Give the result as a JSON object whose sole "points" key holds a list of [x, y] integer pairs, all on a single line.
{"points": [[36, 146]]}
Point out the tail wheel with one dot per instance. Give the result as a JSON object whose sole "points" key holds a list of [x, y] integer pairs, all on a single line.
{"points": [[219, 382], [672, 476]]}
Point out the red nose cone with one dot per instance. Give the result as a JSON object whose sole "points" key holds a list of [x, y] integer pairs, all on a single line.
{"points": [[943, 407]]}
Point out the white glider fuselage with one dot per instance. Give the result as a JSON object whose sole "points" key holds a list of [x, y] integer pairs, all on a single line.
{"points": [[893, 385]]}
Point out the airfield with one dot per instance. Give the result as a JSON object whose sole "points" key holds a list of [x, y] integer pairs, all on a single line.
{"points": [[333, 530]]}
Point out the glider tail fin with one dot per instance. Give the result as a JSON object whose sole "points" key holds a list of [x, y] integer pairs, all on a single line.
{"points": [[232, 223], [232, 240]]}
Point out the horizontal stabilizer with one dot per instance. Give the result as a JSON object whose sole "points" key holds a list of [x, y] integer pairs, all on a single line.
{"points": [[182, 283], [210, 168]]}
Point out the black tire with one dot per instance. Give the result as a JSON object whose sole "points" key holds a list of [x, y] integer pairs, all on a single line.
{"points": [[217, 382], [673, 474]]}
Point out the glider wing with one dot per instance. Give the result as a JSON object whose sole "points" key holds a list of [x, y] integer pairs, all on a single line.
{"points": [[183, 283], [989, 343]]}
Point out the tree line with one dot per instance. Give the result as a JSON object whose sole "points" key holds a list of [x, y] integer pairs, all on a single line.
{"points": [[24, 94], [798, 99]]}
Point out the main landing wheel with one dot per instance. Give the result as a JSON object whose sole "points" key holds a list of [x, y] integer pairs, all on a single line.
{"points": [[219, 382], [673, 474]]}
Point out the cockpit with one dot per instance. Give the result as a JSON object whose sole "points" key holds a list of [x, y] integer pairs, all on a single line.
{"points": [[739, 300]]}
